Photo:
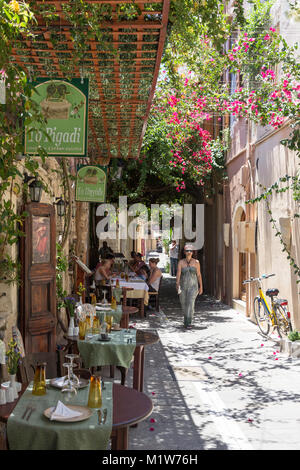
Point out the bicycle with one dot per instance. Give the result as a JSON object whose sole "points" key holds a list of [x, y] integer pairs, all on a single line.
{"points": [[274, 316]]}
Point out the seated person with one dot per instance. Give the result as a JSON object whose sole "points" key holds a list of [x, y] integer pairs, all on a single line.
{"points": [[133, 260], [155, 275], [103, 269], [140, 267]]}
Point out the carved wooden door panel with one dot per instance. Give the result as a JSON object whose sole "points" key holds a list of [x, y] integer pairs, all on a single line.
{"points": [[38, 289]]}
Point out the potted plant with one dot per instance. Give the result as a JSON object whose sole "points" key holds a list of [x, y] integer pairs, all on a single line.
{"points": [[12, 361], [294, 336], [70, 304], [80, 292]]}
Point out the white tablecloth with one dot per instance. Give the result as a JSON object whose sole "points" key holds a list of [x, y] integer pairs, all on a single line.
{"points": [[140, 288]]}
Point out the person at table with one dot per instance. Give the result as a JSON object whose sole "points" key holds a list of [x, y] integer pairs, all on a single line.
{"points": [[154, 276], [188, 284], [103, 269], [105, 251], [133, 260], [140, 267]]}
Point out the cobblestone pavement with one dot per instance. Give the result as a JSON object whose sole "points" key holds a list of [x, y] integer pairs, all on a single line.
{"points": [[218, 386]]}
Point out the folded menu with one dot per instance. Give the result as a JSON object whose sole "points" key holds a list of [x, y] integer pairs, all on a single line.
{"points": [[62, 411]]}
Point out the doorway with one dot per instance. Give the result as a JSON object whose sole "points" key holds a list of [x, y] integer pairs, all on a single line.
{"points": [[242, 269]]}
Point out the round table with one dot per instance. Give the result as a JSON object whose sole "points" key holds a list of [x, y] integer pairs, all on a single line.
{"points": [[130, 407], [143, 338], [127, 310]]}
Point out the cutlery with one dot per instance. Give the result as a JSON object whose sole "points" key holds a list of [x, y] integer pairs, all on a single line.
{"points": [[32, 409], [104, 416], [25, 412]]}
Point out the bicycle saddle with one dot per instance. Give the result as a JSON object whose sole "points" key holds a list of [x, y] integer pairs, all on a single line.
{"points": [[272, 292]]}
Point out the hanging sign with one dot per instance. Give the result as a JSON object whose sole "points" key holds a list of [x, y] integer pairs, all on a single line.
{"points": [[91, 183], [64, 104]]}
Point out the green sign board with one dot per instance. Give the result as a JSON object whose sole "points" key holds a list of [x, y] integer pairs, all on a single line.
{"points": [[64, 104], [91, 183]]}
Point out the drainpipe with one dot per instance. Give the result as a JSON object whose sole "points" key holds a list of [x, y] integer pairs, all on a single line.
{"points": [[250, 217]]}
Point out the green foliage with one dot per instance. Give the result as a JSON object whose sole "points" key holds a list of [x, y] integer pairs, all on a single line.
{"points": [[294, 336], [61, 268], [13, 356]]}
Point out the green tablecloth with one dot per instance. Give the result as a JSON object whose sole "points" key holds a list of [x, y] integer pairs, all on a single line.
{"points": [[39, 433], [115, 352], [117, 316]]}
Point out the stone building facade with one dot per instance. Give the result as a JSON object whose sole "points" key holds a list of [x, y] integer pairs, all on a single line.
{"points": [[246, 245]]}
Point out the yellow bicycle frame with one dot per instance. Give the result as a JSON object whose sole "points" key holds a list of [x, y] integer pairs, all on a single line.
{"points": [[270, 312]]}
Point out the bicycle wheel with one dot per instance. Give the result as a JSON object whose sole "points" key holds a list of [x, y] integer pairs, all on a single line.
{"points": [[262, 319], [283, 323]]}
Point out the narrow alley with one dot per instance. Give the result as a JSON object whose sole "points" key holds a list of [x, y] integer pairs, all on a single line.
{"points": [[217, 386]]}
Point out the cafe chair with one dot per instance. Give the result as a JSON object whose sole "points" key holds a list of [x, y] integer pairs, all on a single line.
{"points": [[156, 295], [29, 362]]}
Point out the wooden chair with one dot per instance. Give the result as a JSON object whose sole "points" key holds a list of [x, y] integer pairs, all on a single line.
{"points": [[156, 294], [30, 361], [54, 367]]}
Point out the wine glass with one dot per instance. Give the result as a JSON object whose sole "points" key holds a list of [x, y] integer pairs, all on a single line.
{"points": [[74, 379], [104, 300], [69, 388]]}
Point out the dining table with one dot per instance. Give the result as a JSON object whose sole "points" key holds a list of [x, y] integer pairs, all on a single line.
{"points": [[136, 288], [129, 407], [143, 338]]}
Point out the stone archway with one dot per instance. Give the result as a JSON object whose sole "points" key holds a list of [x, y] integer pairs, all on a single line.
{"points": [[239, 259]]}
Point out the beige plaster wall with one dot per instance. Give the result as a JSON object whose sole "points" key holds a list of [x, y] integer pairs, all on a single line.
{"points": [[9, 304], [275, 161]]}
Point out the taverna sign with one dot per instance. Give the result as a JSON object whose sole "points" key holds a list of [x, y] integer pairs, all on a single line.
{"points": [[64, 104]]}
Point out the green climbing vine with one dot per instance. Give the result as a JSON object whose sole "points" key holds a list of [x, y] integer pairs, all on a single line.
{"points": [[290, 182]]}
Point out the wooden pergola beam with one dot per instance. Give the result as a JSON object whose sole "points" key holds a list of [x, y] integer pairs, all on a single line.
{"points": [[124, 84]]}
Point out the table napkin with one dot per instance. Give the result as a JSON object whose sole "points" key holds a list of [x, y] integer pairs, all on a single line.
{"points": [[62, 411]]}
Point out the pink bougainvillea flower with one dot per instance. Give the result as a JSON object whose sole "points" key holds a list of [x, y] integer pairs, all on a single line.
{"points": [[240, 375], [209, 357], [152, 420], [151, 429], [153, 393], [250, 420]]}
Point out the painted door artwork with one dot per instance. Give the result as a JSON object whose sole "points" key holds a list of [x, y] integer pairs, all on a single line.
{"points": [[38, 288], [40, 239]]}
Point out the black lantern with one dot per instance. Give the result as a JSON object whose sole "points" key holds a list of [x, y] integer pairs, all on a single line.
{"points": [[117, 175], [35, 188], [120, 169], [60, 206]]}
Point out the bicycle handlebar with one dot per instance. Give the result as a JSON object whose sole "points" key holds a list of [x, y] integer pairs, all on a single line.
{"points": [[252, 279]]}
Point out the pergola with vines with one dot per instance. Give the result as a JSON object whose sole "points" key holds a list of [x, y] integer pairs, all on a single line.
{"points": [[118, 45]]}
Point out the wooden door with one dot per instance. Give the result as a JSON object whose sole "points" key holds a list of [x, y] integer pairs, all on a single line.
{"points": [[38, 289]]}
